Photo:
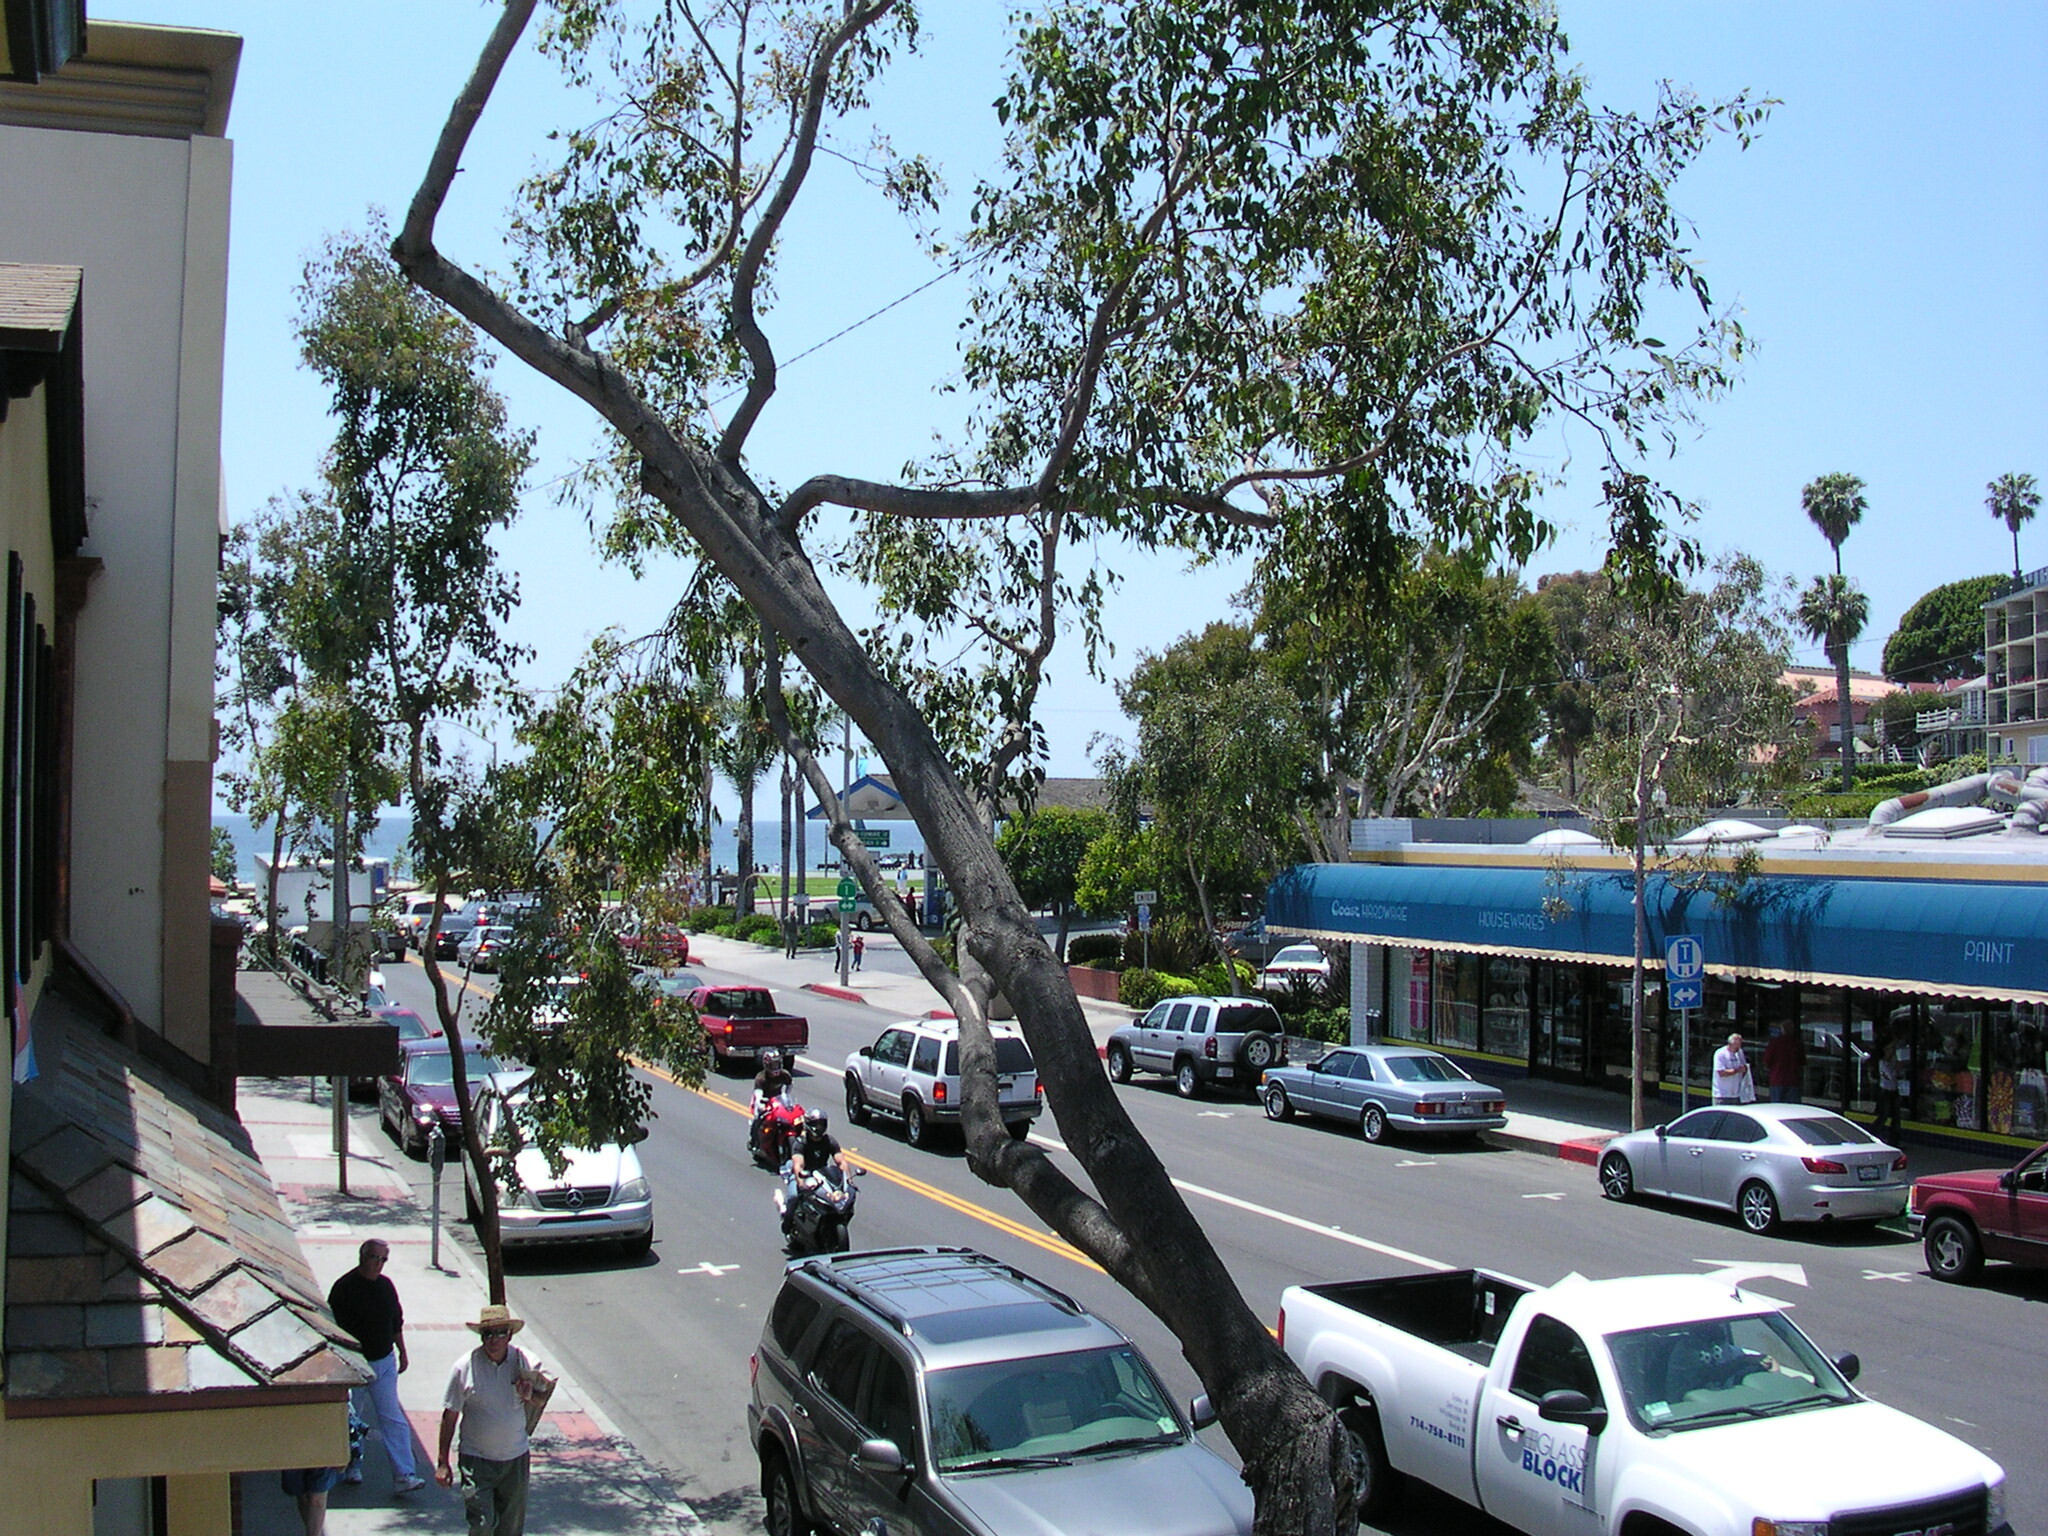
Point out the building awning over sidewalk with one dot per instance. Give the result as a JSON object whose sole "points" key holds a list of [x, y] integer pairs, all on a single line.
{"points": [[1985, 939], [148, 1263]]}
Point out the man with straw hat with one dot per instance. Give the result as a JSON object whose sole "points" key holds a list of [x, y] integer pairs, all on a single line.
{"points": [[488, 1393]]}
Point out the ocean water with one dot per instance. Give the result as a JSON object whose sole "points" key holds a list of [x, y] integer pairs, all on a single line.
{"points": [[388, 840]]}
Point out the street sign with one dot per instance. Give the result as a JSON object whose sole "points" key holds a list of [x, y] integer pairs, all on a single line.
{"points": [[1145, 898], [874, 839], [1685, 958], [1685, 994], [848, 890], [1144, 919], [846, 903]]}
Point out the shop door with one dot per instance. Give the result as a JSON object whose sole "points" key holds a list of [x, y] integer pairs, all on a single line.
{"points": [[1559, 1046], [1608, 1048]]}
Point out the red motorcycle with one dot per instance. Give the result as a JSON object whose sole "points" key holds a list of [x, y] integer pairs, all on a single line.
{"points": [[777, 1126]]}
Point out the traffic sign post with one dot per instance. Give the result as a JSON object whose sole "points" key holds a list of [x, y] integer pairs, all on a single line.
{"points": [[1685, 988], [1145, 929]]}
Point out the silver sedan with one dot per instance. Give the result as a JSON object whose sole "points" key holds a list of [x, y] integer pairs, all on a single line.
{"points": [[1385, 1087], [1766, 1162]]}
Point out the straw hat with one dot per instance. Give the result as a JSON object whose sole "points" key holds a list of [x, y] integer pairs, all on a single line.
{"points": [[496, 1317]]}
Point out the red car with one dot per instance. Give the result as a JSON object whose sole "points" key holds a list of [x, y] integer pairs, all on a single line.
{"points": [[422, 1091], [1965, 1218]]}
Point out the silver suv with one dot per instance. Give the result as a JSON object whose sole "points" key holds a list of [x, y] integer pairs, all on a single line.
{"points": [[1200, 1040], [913, 1071], [938, 1391]]}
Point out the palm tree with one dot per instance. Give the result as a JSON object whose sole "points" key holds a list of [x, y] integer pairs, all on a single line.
{"points": [[2013, 500], [1834, 612], [1835, 503], [745, 751]]}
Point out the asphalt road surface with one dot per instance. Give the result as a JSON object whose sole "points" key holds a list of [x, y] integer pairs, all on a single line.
{"points": [[665, 1341]]}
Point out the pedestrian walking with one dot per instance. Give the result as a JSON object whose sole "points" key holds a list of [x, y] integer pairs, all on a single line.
{"points": [[365, 1303], [1894, 1071], [859, 948], [1785, 1065], [308, 1488], [487, 1397], [1733, 1081]]}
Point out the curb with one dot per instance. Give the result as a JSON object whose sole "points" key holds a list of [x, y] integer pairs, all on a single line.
{"points": [[1585, 1149], [844, 994]]}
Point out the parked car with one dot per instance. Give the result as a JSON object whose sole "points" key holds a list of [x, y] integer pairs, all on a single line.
{"points": [[480, 949], [659, 945], [1379, 1088], [455, 927], [1297, 963], [1650, 1404], [936, 1391], [601, 1194], [1765, 1162], [742, 1022], [913, 1070], [1964, 1218], [1254, 943], [410, 1026], [412, 915], [421, 1092], [1200, 1040]]}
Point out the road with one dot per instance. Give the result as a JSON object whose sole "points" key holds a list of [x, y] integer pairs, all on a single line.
{"points": [[664, 1342]]}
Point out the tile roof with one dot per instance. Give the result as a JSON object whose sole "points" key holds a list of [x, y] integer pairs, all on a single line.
{"points": [[36, 304], [146, 1253]]}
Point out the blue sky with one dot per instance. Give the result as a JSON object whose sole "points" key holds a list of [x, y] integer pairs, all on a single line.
{"points": [[1886, 238]]}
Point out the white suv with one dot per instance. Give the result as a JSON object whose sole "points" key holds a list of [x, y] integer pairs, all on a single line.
{"points": [[913, 1070]]}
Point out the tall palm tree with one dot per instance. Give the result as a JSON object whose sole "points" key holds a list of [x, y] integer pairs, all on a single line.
{"points": [[1834, 612], [2013, 500], [1835, 503], [745, 751]]}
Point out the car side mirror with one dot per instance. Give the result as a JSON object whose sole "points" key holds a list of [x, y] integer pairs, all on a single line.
{"points": [[1565, 1406], [1663, 1131], [867, 1050], [1850, 1365], [2008, 1180], [1201, 1412], [880, 1456]]}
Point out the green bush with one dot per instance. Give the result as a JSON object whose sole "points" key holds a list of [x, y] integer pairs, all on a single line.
{"points": [[1854, 806], [758, 928], [1211, 979], [1332, 1026], [1141, 989], [1092, 948], [821, 936], [1969, 764]]}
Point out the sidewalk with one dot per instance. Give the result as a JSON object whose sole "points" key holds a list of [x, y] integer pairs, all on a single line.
{"points": [[1563, 1120], [587, 1479]]}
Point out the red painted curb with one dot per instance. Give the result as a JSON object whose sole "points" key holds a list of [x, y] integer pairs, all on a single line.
{"points": [[844, 994], [1584, 1150]]}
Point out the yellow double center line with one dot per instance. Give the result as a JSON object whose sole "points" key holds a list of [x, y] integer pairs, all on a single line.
{"points": [[952, 1202]]}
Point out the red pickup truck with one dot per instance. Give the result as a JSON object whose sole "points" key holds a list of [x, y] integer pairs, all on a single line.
{"points": [[1965, 1218], [742, 1022]]}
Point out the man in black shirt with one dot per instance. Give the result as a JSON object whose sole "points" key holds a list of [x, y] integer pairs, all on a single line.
{"points": [[365, 1303]]}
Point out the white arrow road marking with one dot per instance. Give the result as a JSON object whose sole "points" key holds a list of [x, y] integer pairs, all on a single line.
{"points": [[708, 1268], [1415, 1162], [1736, 1271], [1903, 1276], [1215, 1114], [1557, 1196]]}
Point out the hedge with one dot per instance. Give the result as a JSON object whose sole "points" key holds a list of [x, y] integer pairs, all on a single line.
{"points": [[1141, 989], [1089, 948]]}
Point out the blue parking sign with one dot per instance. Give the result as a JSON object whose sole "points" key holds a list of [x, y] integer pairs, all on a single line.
{"points": [[1685, 957], [1685, 994]]}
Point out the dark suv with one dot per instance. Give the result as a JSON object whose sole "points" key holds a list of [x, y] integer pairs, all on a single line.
{"points": [[938, 1391]]}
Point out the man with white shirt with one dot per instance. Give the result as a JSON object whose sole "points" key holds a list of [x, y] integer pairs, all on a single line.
{"points": [[1733, 1081], [487, 1396]]}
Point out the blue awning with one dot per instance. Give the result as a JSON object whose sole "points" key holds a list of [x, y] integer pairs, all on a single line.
{"points": [[1986, 939]]}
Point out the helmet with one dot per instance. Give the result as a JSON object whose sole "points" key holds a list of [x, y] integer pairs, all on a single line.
{"points": [[770, 1060], [815, 1121]]}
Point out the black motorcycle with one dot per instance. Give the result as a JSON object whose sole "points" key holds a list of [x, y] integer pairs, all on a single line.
{"points": [[823, 1214]]}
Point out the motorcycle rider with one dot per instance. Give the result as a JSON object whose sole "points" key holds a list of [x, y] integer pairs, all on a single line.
{"points": [[815, 1152], [772, 1082]]}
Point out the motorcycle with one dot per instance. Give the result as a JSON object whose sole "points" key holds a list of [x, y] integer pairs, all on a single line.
{"points": [[823, 1214], [774, 1131]]}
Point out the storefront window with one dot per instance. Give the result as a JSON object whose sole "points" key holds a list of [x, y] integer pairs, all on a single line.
{"points": [[1560, 1044], [2030, 1069], [1869, 1036], [1703, 1034], [1951, 1068], [1611, 999], [1458, 1000], [1505, 1025], [1414, 1024], [1999, 1081], [1826, 1078]]}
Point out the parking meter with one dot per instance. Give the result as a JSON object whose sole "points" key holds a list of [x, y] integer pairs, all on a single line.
{"points": [[437, 1159]]}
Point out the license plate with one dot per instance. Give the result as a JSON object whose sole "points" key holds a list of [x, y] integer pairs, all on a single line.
{"points": [[1870, 1173]]}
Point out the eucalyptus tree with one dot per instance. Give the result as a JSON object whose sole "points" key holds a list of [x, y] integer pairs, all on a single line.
{"points": [[1246, 278], [2013, 500], [1833, 610]]}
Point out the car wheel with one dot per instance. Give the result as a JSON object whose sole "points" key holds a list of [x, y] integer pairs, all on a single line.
{"points": [[1372, 1124], [784, 1516], [415, 1141], [1379, 1485], [865, 922], [839, 1239], [1258, 1052], [1186, 1080], [1617, 1179], [917, 1128], [1954, 1252], [1757, 1207], [1019, 1129], [1119, 1063], [638, 1247], [857, 1112], [1278, 1105]]}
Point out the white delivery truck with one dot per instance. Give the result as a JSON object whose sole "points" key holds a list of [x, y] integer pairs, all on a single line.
{"points": [[1640, 1407]]}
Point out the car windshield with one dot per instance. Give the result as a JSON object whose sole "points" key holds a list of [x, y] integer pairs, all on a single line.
{"points": [[1059, 1406], [1719, 1371], [1830, 1131], [1426, 1069], [436, 1069], [1244, 1018], [1012, 1056], [1299, 954], [410, 1025]]}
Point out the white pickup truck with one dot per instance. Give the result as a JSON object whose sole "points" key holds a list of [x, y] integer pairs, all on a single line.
{"points": [[1640, 1407]]}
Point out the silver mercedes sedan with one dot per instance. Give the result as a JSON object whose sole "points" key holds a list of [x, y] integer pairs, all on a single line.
{"points": [[1386, 1087], [1766, 1162]]}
